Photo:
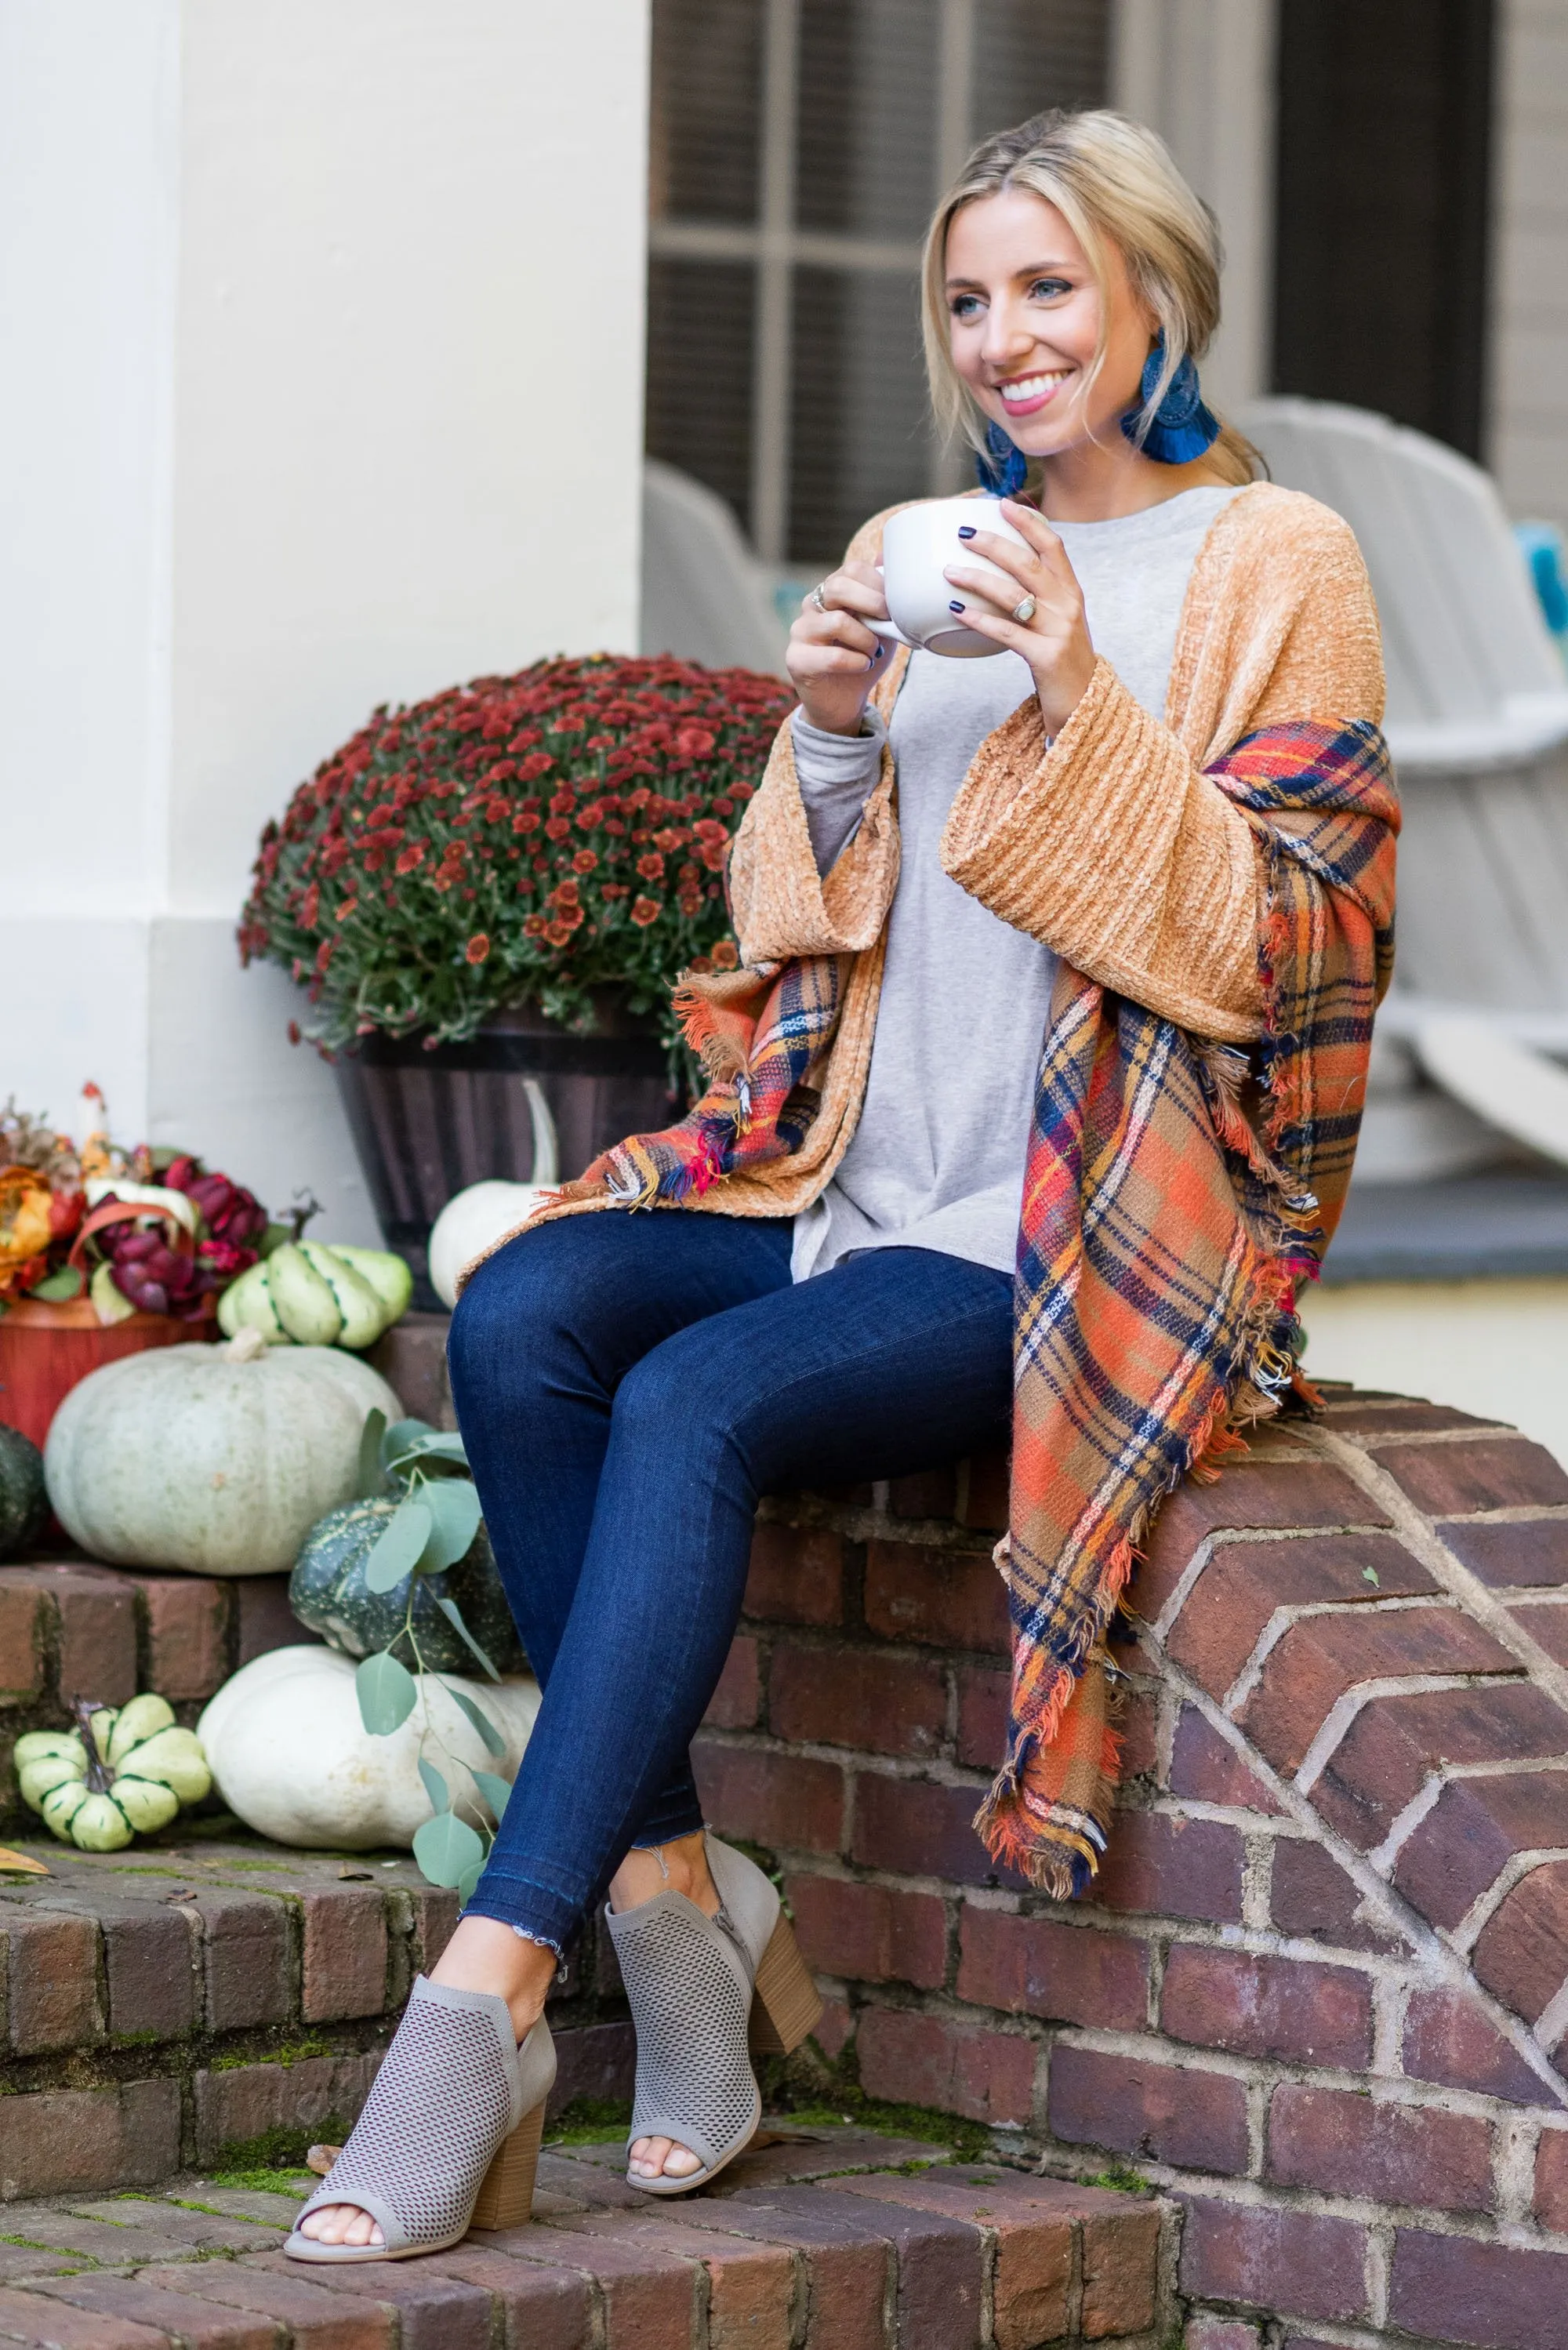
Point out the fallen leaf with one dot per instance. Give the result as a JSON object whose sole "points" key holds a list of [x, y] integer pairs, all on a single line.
{"points": [[360, 1875], [321, 2158], [20, 1864]]}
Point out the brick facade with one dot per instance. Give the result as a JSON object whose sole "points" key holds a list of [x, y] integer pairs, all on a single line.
{"points": [[1319, 1999], [1320, 1996]]}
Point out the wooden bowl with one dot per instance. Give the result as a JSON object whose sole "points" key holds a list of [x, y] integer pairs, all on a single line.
{"points": [[46, 1349]]}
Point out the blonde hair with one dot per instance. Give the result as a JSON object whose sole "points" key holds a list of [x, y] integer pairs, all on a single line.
{"points": [[1115, 183]]}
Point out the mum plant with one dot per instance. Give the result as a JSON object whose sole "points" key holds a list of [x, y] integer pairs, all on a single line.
{"points": [[534, 836]]}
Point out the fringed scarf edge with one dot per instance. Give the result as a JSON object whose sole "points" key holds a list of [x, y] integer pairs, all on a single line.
{"points": [[1013, 1821]]}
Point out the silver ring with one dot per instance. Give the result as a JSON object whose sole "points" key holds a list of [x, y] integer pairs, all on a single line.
{"points": [[818, 598], [1023, 613]]}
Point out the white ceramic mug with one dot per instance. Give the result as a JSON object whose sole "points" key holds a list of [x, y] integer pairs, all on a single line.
{"points": [[917, 547]]}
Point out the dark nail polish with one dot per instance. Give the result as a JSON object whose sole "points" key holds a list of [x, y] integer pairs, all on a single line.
{"points": [[966, 530], [955, 607]]}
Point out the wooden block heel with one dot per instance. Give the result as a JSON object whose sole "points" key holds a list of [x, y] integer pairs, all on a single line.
{"points": [[787, 2004], [506, 2198]]}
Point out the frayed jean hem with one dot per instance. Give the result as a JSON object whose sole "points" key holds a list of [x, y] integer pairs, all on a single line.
{"points": [[532, 1912]]}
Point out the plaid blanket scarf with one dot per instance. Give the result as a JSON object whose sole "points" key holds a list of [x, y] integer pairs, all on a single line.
{"points": [[1164, 1232]]}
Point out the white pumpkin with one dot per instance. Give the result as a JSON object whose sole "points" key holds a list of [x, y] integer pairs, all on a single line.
{"points": [[472, 1222], [474, 1219], [218, 1459], [290, 1754]]}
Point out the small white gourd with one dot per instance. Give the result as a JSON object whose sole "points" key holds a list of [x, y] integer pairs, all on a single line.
{"points": [[142, 1768], [474, 1219]]}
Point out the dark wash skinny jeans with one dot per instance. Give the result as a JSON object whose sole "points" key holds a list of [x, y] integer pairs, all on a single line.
{"points": [[627, 1385]]}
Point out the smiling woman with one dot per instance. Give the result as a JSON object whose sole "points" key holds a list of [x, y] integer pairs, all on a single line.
{"points": [[1020, 934]]}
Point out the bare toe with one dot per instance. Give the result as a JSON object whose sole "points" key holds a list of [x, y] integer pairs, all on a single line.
{"points": [[681, 2162], [647, 2156], [341, 2223]]}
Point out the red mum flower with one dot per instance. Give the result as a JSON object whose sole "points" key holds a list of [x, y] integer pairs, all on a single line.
{"points": [[694, 742], [645, 911], [585, 861], [726, 955], [411, 858], [477, 949], [651, 866]]}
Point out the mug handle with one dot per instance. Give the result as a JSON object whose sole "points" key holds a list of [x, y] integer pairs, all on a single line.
{"points": [[891, 632]]}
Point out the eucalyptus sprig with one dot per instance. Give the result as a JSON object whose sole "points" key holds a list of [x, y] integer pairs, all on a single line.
{"points": [[432, 1528]]}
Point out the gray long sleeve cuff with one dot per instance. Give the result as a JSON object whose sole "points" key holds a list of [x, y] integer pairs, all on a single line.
{"points": [[837, 774]]}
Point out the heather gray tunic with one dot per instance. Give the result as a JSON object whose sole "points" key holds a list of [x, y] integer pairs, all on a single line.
{"points": [[936, 1161]]}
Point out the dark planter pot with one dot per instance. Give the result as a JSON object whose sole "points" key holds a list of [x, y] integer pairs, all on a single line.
{"points": [[426, 1124]]}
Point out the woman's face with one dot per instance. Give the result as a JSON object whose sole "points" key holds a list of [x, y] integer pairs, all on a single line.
{"points": [[1024, 317]]}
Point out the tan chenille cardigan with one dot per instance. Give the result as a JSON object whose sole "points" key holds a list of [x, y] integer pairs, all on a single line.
{"points": [[1111, 846]]}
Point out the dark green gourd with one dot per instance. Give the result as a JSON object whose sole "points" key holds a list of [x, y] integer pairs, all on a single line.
{"points": [[22, 1503], [329, 1593]]}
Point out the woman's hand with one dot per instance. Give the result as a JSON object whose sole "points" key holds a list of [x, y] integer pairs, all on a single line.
{"points": [[1054, 639], [833, 660]]}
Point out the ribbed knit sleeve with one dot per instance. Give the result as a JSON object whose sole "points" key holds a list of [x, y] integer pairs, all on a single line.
{"points": [[780, 903], [1115, 850]]}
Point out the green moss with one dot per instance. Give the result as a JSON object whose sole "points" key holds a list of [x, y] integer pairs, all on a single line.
{"points": [[295, 2052], [972, 2140], [188, 2203], [277, 2149], [1122, 2179], [589, 2121], [293, 2181]]}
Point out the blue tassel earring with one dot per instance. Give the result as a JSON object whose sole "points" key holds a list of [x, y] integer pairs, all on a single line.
{"points": [[1181, 427], [1005, 469]]}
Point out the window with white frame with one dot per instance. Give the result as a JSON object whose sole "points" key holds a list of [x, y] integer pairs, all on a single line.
{"points": [[797, 148]]}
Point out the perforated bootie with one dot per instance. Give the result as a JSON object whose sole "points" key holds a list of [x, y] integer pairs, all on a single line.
{"points": [[448, 2138], [705, 1991]]}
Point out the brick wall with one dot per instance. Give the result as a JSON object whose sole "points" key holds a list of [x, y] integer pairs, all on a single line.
{"points": [[1319, 1997], [1320, 1994]]}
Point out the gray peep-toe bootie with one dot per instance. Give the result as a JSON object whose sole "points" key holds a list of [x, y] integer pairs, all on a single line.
{"points": [[700, 1989], [448, 2138]]}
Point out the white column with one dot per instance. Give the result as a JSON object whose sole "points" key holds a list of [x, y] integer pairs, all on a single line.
{"points": [[1202, 73], [323, 328]]}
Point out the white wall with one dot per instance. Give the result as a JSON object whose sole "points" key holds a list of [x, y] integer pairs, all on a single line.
{"points": [[1492, 1347], [322, 385], [1202, 73], [1529, 391]]}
